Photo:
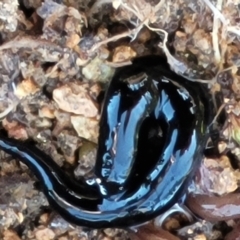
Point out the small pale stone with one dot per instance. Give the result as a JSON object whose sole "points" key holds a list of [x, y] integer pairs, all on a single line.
{"points": [[46, 112], [20, 217], [123, 53], [73, 40], [45, 234], [222, 146], [97, 70], [200, 237], [74, 98], [44, 218], [86, 127], [26, 88]]}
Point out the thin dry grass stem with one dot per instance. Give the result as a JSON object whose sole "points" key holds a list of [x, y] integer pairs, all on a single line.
{"points": [[136, 13], [176, 65], [234, 29], [216, 11], [214, 79], [229, 68], [215, 39], [116, 37], [226, 27], [159, 5], [27, 42], [96, 5], [118, 64], [111, 39], [220, 109], [55, 67], [205, 81]]}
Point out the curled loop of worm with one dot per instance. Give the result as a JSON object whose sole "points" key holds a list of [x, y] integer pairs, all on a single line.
{"points": [[153, 131]]}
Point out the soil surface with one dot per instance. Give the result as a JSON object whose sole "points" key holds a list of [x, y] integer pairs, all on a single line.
{"points": [[56, 59]]}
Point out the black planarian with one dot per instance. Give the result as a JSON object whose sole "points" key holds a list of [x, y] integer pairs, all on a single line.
{"points": [[153, 131]]}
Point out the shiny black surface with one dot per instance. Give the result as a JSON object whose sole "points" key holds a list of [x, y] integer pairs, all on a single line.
{"points": [[153, 131]]}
